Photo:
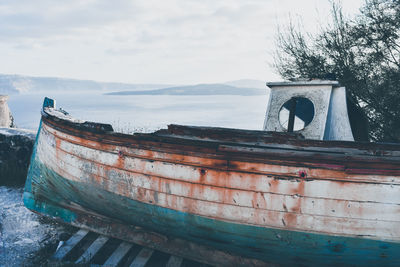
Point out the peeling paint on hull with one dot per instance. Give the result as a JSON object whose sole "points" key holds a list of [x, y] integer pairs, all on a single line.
{"points": [[259, 242], [241, 196]]}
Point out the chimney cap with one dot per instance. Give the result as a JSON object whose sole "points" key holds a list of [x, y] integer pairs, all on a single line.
{"points": [[303, 83]]}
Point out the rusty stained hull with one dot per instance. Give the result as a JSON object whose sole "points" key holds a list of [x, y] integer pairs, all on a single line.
{"points": [[272, 197]]}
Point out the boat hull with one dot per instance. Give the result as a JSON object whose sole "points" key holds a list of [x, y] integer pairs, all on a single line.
{"points": [[72, 177], [271, 245]]}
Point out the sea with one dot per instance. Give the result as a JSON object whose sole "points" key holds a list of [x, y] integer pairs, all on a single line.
{"points": [[146, 112]]}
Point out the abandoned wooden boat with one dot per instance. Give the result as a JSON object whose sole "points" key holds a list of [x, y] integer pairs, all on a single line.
{"points": [[270, 195]]}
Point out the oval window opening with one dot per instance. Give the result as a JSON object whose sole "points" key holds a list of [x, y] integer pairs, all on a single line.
{"points": [[296, 114]]}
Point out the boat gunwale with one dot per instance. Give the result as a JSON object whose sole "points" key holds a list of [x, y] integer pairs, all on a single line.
{"points": [[294, 139], [230, 164], [355, 163]]}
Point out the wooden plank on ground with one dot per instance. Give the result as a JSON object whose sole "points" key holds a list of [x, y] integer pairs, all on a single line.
{"points": [[166, 244], [93, 249], [118, 254], [69, 244], [174, 261], [142, 258]]}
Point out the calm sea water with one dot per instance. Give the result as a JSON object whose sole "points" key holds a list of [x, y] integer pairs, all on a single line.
{"points": [[147, 112]]}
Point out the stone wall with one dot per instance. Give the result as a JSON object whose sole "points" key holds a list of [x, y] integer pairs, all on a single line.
{"points": [[15, 151]]}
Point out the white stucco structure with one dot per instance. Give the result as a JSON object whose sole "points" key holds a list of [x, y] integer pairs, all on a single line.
{"points": [[330, 121], [5, 115]]}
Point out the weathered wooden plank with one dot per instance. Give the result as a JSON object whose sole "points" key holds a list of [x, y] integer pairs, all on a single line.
{"points": [[265, 139], [224, 133], [227, 135], [273, 200], [336, 173], [174, 173], [316, 159], [92, 249], [292, 138], [280, 137], [118, 254], [174, 261], [142, 258], [69, 244], [319, 171], [292, 153]]}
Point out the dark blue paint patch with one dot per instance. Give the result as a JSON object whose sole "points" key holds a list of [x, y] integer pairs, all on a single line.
{"points": [[337, 247], [384, 246]]}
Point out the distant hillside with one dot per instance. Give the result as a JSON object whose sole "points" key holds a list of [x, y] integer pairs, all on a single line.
{"points": [[200, 89], [248, 83], [15, 84], [7, 89]]}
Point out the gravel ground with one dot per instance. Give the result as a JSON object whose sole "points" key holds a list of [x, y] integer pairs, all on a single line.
{"points": [[26, 239]]}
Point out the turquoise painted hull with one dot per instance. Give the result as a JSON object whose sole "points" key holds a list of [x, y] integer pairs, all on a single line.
{"points": [[86, 200], [287, 248]]}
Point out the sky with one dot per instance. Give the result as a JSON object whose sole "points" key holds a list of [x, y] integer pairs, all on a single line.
{"points": [[151, 41]]}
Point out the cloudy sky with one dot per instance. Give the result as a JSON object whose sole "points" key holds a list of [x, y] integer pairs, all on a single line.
{"points": [[150, 41]]}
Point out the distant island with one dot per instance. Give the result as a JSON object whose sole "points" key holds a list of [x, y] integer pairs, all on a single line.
{"points": [[200, 89], [11, 84]]}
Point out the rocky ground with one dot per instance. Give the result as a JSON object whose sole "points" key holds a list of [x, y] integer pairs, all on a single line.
{"points": [[15, 152], [27, 239]]}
